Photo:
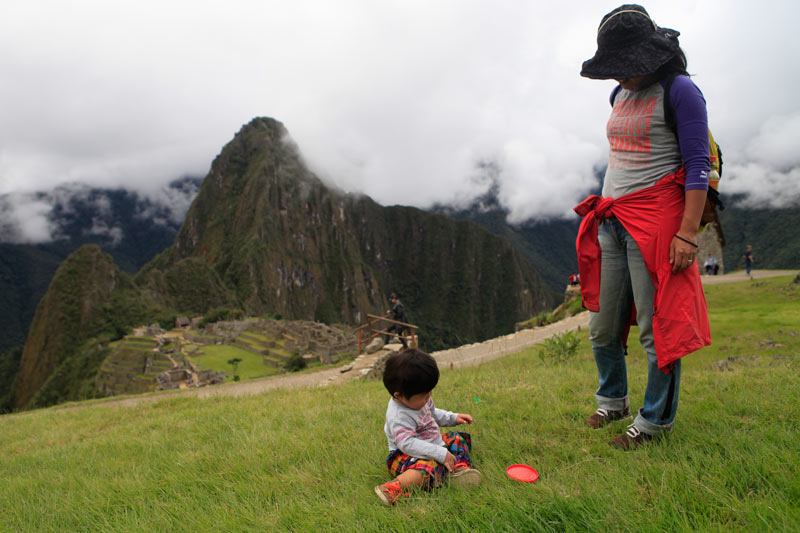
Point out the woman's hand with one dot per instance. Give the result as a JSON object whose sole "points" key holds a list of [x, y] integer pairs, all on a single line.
{"points": [[683, 248], [682, 252]]}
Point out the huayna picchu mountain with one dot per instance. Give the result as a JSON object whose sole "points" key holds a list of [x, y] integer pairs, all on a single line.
{"points": [[267, 236]]}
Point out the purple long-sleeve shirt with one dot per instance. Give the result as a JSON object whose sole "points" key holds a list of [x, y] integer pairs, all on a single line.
{"points": [[642, 146]]}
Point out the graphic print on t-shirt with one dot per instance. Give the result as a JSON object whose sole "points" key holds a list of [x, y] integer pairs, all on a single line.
{"points": [[629, 132]]}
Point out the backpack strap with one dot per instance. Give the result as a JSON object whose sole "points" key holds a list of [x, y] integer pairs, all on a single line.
{"points": [[614, 94]]}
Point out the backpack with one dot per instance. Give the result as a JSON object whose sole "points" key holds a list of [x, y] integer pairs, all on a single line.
{"points": [[715, 158]]}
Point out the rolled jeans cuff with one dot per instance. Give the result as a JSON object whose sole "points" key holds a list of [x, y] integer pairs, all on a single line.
{"points": [[611, 404], [654, 430]]}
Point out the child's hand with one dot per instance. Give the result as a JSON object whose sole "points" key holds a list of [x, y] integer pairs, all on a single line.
{"points": [[450, 462], [463, 418]]}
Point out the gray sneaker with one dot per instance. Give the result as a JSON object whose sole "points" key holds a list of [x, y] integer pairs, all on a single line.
{"points": [[464, 476], [601, 417]]}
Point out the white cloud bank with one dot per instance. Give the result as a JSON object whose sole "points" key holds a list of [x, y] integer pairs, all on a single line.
{"points": [[38, 217], [400, 100]]}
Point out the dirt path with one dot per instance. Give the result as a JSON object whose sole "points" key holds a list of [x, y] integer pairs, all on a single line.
{"points": [[467, 355], [740, 275]]}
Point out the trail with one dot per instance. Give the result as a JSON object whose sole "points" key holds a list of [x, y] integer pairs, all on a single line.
{"points": [[740, 275], [462, 356]]}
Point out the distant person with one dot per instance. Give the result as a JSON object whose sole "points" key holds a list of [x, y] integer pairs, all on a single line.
{"points": [[574, 279], [644, 226], [710, 265], [749, 259], [419, 455], [398, 313]]}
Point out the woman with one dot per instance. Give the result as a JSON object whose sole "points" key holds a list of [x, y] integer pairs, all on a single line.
{"points": [[637, 245]]}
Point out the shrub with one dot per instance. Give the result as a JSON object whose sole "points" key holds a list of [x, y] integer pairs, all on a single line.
{"points": [[295, 363], [560, 346], [166, 320]]}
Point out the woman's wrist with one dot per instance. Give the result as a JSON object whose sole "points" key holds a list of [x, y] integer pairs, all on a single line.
{"points": [[687, 241], [690, 234]]}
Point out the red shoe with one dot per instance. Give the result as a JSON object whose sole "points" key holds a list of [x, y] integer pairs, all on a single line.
{"points": [[389, 492]]}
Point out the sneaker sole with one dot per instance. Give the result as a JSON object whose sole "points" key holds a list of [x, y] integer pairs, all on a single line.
{"points": [[466, 478], [382, 497]]}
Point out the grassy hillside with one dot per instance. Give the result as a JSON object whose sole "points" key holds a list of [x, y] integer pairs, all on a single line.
{"points": [[308, 460], [90, 302]]}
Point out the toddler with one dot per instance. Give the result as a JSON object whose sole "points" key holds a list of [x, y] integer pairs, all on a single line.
{"points": [[419, 455]]}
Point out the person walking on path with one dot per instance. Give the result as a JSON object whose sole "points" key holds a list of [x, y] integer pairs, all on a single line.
{"points": [[398, 313], [645, 224], [749, 259]]}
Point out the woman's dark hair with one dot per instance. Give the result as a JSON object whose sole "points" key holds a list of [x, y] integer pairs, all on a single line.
{"points": [[410, 372], [674, 67]]}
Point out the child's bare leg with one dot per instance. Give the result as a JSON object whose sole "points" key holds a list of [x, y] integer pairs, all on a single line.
{"points": [[411, 478], [390, 492]]}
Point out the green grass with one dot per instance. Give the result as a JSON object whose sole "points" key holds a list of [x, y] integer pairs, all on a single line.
{"points": [[567, 309], [216, 356], [145, 341], [308, 460]]}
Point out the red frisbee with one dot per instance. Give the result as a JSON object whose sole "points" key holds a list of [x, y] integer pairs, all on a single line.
{"points": [[523, 473]]}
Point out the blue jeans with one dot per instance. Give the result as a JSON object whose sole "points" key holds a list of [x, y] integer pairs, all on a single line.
{"points": [[624, 279]]}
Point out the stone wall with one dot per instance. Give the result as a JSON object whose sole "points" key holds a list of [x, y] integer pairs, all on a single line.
{"points": [[710, 241]]}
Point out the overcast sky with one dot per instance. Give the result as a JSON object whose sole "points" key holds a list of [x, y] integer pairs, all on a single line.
{"points": [[396, 99]]}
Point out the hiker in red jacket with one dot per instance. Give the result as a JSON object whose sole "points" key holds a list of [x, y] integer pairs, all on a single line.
{"points": [[637, 244]]}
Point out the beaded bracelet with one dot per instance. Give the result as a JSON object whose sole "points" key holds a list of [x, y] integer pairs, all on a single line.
{"points": [[686, 241]]}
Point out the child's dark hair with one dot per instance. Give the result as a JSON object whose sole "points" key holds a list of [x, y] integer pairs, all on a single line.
{"points": [[410, 372]]}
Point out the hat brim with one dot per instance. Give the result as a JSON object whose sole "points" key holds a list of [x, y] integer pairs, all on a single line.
{"points": [[638, 59]]}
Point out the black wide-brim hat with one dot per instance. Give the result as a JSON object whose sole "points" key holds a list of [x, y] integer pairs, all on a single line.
{"points": [[630, 44]]}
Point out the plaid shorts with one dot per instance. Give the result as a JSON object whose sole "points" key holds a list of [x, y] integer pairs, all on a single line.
{"points": [[457, 443]]}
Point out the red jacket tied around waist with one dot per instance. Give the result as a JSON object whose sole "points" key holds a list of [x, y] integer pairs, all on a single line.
{"points": [[652, 216]]}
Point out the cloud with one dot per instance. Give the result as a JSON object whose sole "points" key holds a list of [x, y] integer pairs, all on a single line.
{"points": [[24, 219], [402, 101], [769, 171], [76, 209], [100, 228], [169, 204]]}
